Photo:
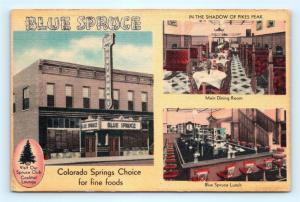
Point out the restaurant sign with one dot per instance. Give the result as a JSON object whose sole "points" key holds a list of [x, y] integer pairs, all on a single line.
{"points": [[115, 124], [121, 125], [90, 125], [107, 42]]}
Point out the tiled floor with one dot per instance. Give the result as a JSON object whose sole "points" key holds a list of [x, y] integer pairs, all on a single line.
{"points": [[240, 83], [176, 82]]}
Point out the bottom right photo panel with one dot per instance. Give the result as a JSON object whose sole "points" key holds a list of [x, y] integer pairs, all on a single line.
{"points": [[210, 144]]}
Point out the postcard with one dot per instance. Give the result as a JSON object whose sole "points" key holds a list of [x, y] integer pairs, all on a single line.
{"points": [[150, 100]]}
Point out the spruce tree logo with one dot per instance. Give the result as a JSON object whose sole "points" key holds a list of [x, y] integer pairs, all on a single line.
{"points": [[27, 156]]}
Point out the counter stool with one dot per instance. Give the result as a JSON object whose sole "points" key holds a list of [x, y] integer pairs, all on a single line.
{"points": [[170, 145], [278, 163], [228, 173], [170, 153], [169, 167], [200, 175], [265, 166], [168, 156], [248, 168], [279, 156], [171, 175], [170, 161]]}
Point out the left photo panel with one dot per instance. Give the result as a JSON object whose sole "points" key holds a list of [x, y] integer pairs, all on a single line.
{"points": [[84, 97]]}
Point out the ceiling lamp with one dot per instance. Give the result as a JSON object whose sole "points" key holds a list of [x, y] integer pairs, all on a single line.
{"points": [[211, 118]]}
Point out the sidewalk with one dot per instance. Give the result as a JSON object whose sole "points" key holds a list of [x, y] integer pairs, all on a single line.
{"points": [[85, 160]]}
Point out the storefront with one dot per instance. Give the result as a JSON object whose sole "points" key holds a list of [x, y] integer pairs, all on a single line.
{"points": [[85, 111], [114, 137]]}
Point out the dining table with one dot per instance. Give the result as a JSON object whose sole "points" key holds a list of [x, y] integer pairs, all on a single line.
{"points": [[213, 78]]}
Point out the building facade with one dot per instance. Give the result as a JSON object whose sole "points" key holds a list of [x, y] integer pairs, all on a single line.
{"points": [[52, 100]]}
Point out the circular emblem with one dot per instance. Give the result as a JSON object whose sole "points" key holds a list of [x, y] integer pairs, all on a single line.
{"points": [[28, 163], [189, 126]]}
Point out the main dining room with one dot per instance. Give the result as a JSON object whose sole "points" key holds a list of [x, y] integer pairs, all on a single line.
{"points": [[224, 57]]}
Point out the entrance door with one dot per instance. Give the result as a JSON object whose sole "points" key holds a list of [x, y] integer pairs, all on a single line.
{"points": [[114, 146], [90, 146]]}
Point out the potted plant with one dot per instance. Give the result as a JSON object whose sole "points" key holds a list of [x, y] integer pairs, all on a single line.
{"points": [[47, 154]]}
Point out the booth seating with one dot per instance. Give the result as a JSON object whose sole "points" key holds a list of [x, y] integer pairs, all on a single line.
{"points": [[200, 175], [279, 74], [265, 166], [266, 70], [182, 59], [177, 59], [248, 168], [228, 172]]}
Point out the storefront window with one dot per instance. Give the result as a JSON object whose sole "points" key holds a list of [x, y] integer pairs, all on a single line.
{"points": [[63, 123], [67, 123], [144, 124], [133, 140], [55, 123], [50, 123], [72, 123], [62, 141], [77, 125]]}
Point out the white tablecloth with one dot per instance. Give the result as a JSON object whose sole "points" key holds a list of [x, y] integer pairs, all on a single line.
{"points": [[214, 78]]}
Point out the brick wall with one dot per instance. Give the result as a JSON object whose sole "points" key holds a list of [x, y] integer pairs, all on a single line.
{"points": [[25, 122], [94, 84]]}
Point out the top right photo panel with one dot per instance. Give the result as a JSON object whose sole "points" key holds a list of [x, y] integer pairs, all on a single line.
{"points": [[224, 57]]}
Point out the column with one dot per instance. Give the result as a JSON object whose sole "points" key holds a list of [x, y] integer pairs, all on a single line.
{"points": [[106, 139]]}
